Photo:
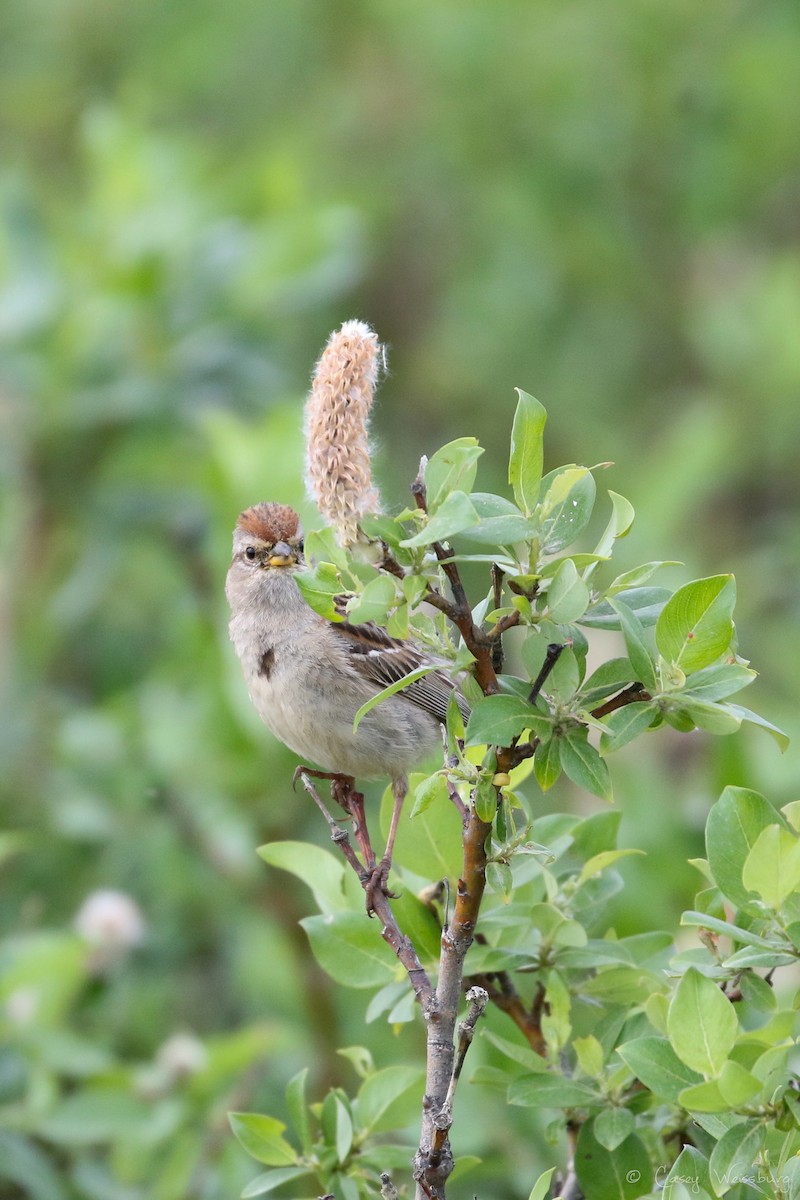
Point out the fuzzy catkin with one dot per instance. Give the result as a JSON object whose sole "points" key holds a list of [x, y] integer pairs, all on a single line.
{"points": [[338, 469]]}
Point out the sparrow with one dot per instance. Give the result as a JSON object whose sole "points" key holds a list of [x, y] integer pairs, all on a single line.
{"points": [[308, 676]]}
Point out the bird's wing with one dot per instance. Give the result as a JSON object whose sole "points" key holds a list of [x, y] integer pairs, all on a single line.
{"points": [[384, 660]]}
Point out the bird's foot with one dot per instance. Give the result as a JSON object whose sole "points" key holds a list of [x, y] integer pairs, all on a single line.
{"points": [[341, 785], [376, 884]]}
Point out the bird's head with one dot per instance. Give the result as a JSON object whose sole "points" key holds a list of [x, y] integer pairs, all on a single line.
{"points": [[268, 537]]}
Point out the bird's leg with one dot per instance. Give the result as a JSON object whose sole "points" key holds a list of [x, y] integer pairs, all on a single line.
{"points": [[343, 791], [380, 873]]}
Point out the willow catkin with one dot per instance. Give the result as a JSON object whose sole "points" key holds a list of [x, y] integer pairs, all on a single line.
{"points": [[338, 469]]}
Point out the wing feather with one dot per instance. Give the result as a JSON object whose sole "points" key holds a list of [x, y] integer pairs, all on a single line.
{"points": [[384, 660]]}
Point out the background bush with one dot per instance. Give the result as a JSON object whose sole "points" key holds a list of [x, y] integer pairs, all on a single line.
{"points": [[597, 202]]}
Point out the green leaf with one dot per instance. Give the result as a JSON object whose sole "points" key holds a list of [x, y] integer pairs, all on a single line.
{"points": [[596, 833], [751, 956], [374, 602], [609, 678], [320, 545], [791, 812], [733, 826], [613, 1126], [568, 595], [734, 1155], [381, 527], [455, 514], [704, 921], [344, 1131], [347, 946], [392, 689], [315, 867], [646, 602], [551, 1091], [270, 1180], [547, 763], [298, 1109], [626, 724], [757, 992], [319, 587], [518, 1053], [605, 858], [714, 718], [701, 1023], [772, 868], [620, 1174], [485, 800], [737, 1084], [704, 1098], [696, 626], [556, 1021], [390, 1099], [262, 1138], [637, 576], [590, 1056], [430, 844], [690, 1167], [718, 681], [622, 515], [583, 764], [501, 522], [542, 1185], [566, 508], [496, 720], [432, 790], [527, 441], [636, 644], [419, 924], [451, 469], [565, 677], [752, 718], [656, 1064]]}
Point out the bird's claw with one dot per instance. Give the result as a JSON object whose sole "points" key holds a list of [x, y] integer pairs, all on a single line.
{"points": [[376, 884]]}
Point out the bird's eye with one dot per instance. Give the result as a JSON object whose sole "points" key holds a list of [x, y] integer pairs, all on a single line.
{"points": [[299, 545], [250, 553]]}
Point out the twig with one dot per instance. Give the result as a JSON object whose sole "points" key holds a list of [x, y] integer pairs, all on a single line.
{"points": [[497, 632], [458, 610], [571, 1189], [338, 835], [507, 622], [505, 996], [552, 655], [390, 931], [389, 563], [512, 755], [634, 694], [388, 1190], [477, 999]]}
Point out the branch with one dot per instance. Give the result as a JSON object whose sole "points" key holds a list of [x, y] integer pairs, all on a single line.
{"points": [[433, 1161], [571, 1189], [634, 694], [458, 610], [504, 995], [552, 655], [477, 999], [390, 931]]}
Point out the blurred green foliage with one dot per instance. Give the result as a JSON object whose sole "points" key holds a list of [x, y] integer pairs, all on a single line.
{"points": [[596, 201]]}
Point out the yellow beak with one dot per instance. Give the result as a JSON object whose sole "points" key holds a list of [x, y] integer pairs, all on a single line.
{"points": [[282, 556]]}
